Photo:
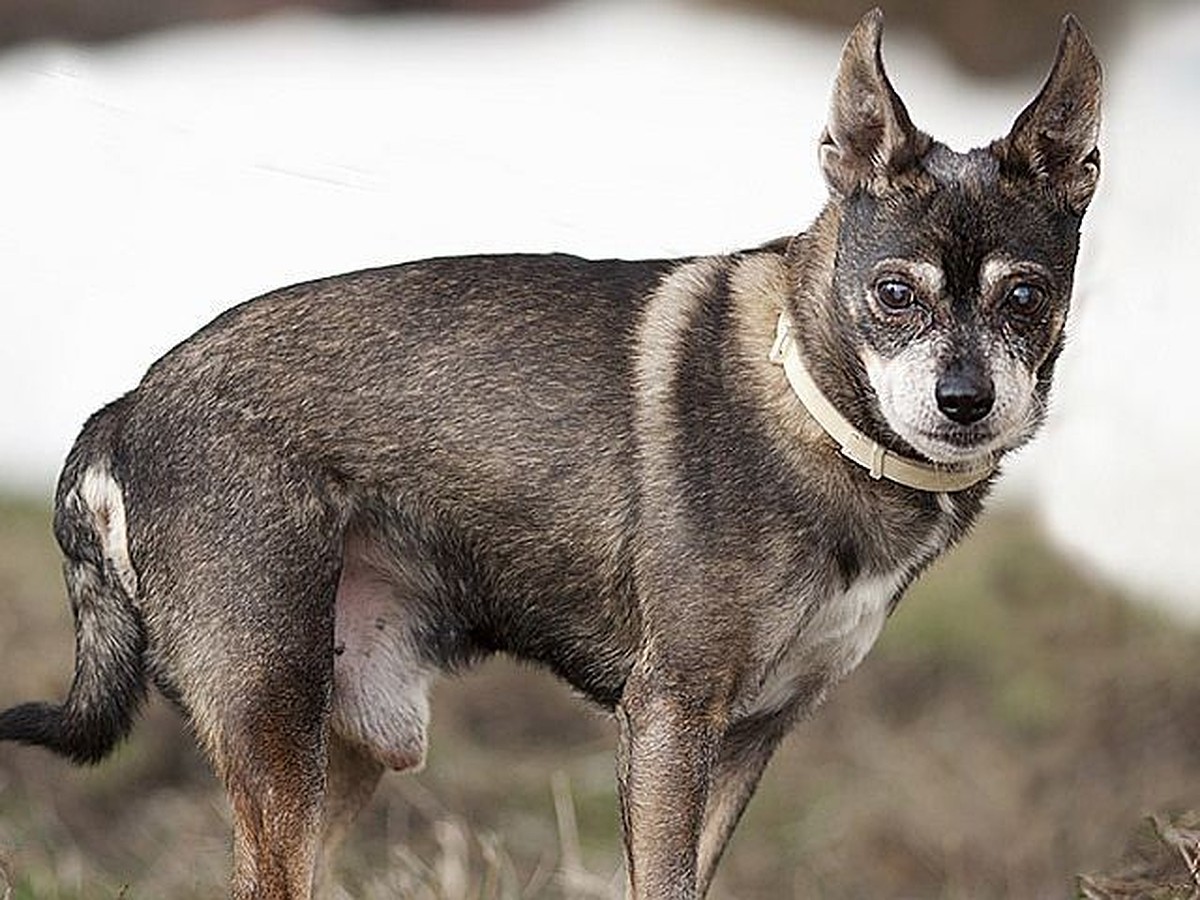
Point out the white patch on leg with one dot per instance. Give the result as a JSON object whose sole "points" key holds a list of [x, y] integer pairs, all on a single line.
{"points": [[103, 498]]}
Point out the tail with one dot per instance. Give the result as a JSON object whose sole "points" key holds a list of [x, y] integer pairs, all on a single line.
{"points": [[110, 638]]}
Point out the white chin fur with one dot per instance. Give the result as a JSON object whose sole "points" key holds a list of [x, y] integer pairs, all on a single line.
{"points": [[905, 387], [948, 452]]}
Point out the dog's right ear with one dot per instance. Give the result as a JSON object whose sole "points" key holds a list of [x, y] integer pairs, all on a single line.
{"points": [[869, 139]]}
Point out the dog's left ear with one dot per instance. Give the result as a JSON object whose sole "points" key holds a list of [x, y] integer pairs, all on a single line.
{"points": [[869, 140], [1055, 138]]}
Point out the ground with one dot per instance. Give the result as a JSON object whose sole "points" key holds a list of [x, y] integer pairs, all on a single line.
{"points": [[1015, 723]]}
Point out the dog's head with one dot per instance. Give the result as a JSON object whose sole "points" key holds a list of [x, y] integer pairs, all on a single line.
{"points": [[953, 271]]}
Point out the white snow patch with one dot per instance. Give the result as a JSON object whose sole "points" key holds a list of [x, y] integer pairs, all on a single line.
{"points": [[149, 185]]}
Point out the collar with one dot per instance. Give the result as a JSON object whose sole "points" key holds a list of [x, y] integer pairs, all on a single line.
{"points": [[858, 447]]}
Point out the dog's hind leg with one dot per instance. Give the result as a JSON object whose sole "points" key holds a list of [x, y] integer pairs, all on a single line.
{"points": [[352, 774], [273, 772], [243, 626], [272, 750]]}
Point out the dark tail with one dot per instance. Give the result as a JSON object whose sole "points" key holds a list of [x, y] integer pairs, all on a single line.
{"points": [[110, 638]]}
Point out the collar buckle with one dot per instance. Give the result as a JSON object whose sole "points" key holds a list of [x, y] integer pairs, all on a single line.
{"points": [[782, 331]]}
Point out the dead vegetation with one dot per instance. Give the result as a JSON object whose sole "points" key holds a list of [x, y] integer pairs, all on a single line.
{"points": [[1161, 863], [1016, 720]]}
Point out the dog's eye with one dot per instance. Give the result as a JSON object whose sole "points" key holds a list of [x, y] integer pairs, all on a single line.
{"points": [[894, 294], [1025, 300]]}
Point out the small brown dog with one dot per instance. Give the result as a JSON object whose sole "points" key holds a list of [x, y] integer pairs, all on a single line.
{"points": [[336, 492]]}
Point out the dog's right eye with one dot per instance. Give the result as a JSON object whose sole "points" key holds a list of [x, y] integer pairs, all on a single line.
{"points": [[895, 295]]}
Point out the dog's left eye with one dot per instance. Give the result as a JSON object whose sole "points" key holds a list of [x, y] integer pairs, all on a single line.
{"points": [[894, 294], [1025, 300]]}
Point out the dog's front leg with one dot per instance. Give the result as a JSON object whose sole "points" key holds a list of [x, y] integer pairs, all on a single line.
{"points": [[668, 743], [744, 753]]}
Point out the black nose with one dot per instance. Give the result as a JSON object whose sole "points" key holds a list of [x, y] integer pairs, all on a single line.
{"points": [[965, 394]]}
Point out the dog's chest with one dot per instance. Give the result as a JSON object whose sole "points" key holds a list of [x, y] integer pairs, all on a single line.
{"points": [[828, 647], [818, 649]]}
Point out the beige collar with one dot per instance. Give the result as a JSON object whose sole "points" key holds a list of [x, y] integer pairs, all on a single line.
{"points": [[868, 453]]}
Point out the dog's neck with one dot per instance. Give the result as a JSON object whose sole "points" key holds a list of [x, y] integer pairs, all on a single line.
{"points": [[834, 367]]}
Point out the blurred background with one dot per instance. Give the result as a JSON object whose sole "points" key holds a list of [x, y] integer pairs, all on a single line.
{"points": [[1034, 696]]}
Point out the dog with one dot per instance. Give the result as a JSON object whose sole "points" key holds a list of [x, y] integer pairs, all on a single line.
{"points": [[692, 488]]}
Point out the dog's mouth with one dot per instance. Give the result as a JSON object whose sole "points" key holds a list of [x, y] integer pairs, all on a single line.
{"points": [[956, 444]]}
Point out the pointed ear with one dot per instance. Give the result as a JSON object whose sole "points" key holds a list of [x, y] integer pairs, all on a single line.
{"points": [[869, 138], [1055, 138]]}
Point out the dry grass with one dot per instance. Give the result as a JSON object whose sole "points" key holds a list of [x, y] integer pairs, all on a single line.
{"points": [[1015, 721], [1161, 863]]}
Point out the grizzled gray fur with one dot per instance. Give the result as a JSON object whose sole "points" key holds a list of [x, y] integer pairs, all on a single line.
{"points": [[335, 493]]}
